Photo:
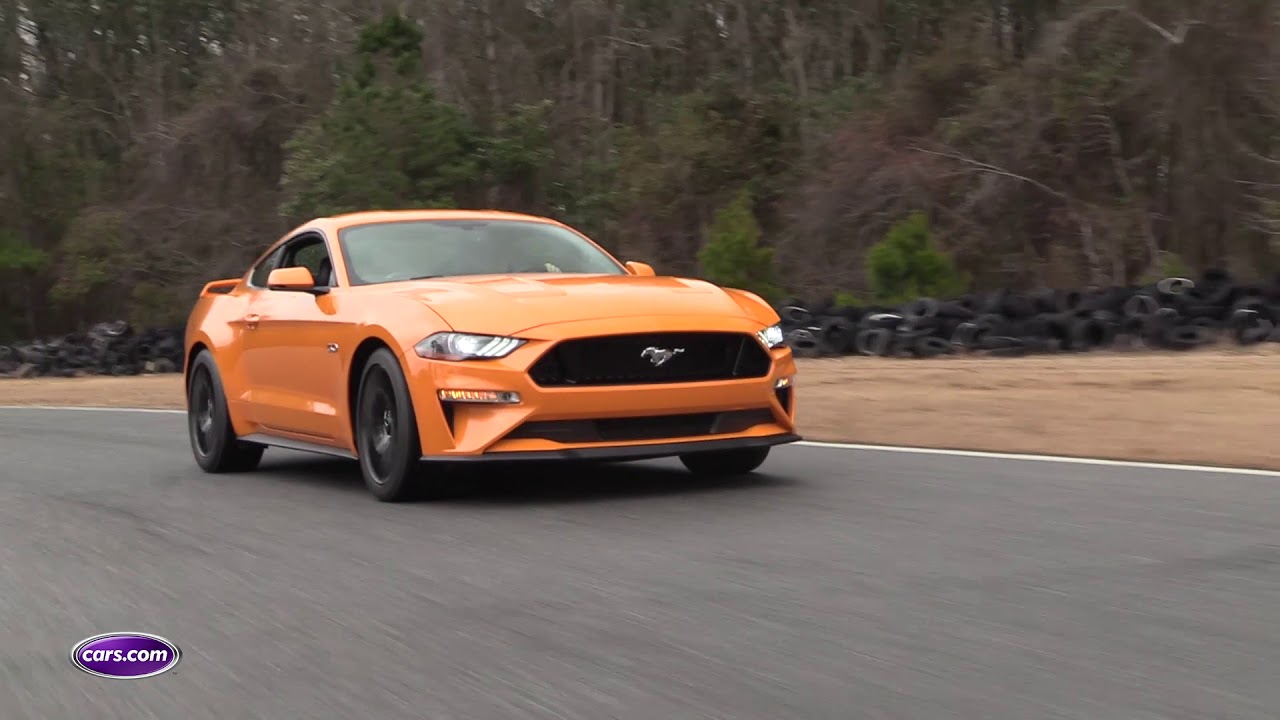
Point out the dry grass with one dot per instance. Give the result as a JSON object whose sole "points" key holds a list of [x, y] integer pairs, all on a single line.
{"points": [[1217, 407], [1212, 407]]}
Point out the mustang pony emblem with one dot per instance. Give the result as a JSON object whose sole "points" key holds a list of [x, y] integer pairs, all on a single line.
{"points": [[659, 356]]}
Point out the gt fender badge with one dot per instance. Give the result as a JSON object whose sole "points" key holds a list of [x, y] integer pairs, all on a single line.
{"points": [[659, 356], [125, 655]]}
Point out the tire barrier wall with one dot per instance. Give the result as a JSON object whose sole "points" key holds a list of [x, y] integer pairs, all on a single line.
{"points": [[113, 348], [1172, 314]]}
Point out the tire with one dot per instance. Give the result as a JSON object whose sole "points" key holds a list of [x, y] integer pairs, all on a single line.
{"points": [[930, 346], [213, 440], [387, 430], [721, 463]]}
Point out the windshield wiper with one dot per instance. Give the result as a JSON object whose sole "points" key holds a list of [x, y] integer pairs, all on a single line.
{"points": [[425, 277]]}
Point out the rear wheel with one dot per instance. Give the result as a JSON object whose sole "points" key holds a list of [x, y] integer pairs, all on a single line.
{"points": [[213, 440], [725, 462], [387, 430]]}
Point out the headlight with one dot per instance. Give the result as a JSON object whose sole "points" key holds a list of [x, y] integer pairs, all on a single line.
{"points": [[462, 346], [772, 336]]}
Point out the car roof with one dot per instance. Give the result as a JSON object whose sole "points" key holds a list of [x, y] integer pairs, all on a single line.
{"points": [[383, 216]]}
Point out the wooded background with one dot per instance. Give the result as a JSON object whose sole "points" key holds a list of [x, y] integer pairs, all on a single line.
{"points": [[149, 145]]}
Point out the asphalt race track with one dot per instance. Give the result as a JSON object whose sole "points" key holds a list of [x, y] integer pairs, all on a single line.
{"points": [[837, 584]]}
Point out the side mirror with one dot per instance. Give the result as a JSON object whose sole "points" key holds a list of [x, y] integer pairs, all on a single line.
{"points": [[639, 268], [295, 279]]}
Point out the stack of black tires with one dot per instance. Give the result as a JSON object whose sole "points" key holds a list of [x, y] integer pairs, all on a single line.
{"points": [[1172, 314], [113, 348]]}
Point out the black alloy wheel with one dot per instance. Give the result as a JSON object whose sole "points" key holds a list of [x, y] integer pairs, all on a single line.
{"points": [[213, 441], [201, 412], [387, 430]]}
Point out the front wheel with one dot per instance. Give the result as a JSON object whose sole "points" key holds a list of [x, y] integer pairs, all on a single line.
{"points": [[213, 440], [723, 463], [387, 430]]}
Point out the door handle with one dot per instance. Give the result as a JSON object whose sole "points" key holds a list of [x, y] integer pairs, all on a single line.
{"points": [[251, 320]]}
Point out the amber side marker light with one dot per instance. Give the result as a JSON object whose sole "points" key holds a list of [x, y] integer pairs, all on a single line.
{"points": [[499, 397]]}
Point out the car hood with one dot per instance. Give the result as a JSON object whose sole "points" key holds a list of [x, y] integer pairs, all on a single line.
{"points": [[508, 304]]}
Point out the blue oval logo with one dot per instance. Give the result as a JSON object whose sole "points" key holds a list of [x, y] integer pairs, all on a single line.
{"points": [[125, 656]]}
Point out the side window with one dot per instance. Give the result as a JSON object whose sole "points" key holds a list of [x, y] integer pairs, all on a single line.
{"points": [[312, 256], [309, 252], [259, 277]]}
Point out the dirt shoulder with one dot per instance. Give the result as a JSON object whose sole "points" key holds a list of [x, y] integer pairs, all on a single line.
{"points": [[1213, 407]]}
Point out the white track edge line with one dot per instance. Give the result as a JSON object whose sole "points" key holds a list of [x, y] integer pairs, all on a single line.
{"points": [[1063, 459], [905, 449]]}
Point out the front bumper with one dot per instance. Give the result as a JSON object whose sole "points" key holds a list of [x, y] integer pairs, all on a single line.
{"points": [[620, 422]]}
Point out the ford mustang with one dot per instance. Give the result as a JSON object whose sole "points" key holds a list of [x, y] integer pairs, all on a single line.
{"points": [[412, 339]]}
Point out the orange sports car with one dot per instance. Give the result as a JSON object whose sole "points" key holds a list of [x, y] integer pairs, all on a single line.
{"points": [[408, 339]]}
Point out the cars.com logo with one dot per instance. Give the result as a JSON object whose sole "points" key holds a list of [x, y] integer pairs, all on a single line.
{"points": [[125, 656]]}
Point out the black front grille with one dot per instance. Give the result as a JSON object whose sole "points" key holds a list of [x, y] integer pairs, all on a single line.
{"points": [[629, 359]]}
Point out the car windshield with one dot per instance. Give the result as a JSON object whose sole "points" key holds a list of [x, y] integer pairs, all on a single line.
{"points": [[418, 249]]}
